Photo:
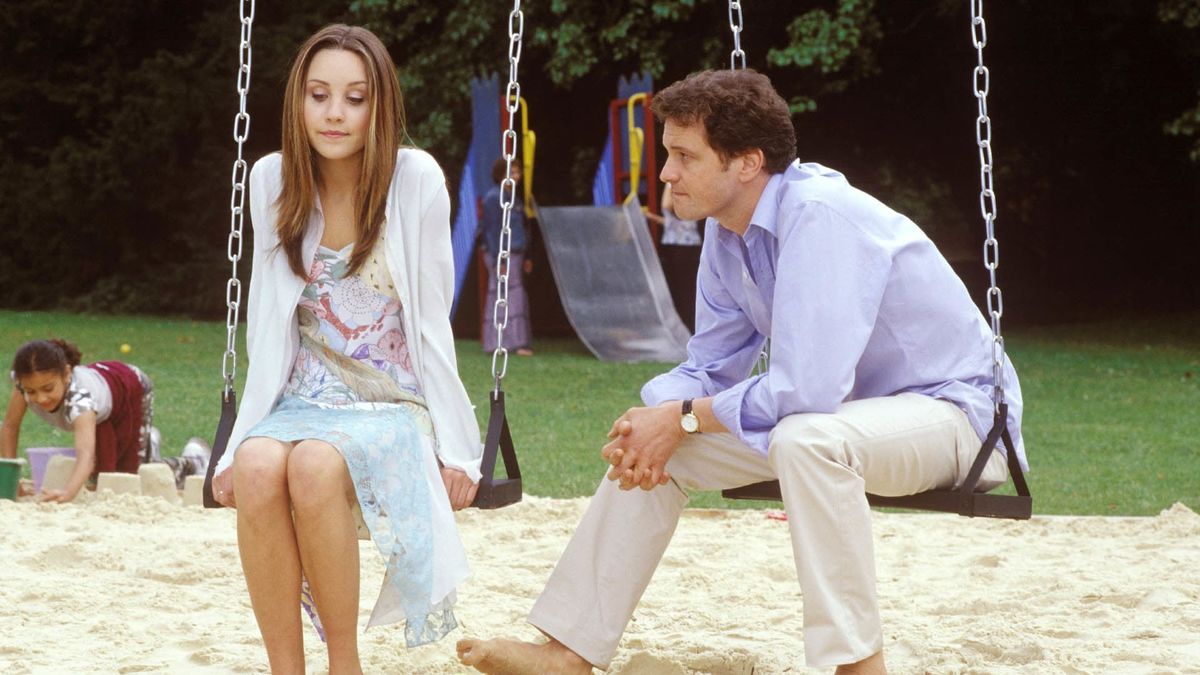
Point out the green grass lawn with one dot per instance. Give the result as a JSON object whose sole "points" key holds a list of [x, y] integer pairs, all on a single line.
{"points": [[1112, 409]]}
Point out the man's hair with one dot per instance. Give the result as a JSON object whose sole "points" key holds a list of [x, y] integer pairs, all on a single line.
{"points": [[740, 111]]}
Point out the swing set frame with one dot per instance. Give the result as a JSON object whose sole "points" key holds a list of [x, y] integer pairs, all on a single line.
{"points": [[494, 493]]}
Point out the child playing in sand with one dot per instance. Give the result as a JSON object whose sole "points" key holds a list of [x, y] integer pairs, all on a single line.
{"points": [[353, 394], [108, 405]]}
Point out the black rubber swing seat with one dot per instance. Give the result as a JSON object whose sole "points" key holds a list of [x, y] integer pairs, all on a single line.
{"points": [[493, 493], [964, 500]]}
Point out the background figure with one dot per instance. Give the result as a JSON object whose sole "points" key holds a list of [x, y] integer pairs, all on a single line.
{"points": [[352, 398], [109, 405], [517, 335], [680, 257]]}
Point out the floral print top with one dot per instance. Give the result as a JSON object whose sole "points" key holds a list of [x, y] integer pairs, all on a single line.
{"points": [[359, 316]]}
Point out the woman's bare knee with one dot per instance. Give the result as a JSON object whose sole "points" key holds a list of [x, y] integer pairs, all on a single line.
{"points": [[317, 474], [260, 469]]}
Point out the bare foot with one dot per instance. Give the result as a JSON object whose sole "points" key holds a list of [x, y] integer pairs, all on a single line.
{"points": [[872, 665], [510, 657]]}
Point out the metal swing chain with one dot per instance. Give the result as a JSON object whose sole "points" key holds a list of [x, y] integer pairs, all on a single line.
{"points": [[981, 82], [508, 194], [737, 60], [735, 25], [237, 200]]}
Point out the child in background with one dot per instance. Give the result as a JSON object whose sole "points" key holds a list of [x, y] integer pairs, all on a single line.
{"points": [[517, 336], [108, 405]]}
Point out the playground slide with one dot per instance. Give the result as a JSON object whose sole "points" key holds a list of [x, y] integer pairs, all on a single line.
{"points": [[611, 282]]}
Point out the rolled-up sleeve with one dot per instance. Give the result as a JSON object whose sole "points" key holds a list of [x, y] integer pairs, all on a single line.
{"points": [[830, 283]]}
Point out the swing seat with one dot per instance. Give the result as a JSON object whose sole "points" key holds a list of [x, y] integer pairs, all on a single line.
{"points": [[493, 492], [219, 444], [971, 504], [964, 500]]}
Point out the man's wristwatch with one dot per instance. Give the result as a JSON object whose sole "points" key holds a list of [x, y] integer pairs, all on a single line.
{"points": [[688, 419]]}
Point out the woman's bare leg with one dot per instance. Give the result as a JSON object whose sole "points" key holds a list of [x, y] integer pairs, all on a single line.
{"points": [[267, 544], [872, 665], [322, 490]]}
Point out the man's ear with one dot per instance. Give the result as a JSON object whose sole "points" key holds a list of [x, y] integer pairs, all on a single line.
{"points": [[753, 162]]}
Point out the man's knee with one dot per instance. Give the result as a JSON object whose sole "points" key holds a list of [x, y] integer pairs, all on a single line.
{"points": [[692, 466], [800, 441]]}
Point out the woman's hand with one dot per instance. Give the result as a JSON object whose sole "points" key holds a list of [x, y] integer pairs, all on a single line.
{"points": [[459, 487], [222, 488]]}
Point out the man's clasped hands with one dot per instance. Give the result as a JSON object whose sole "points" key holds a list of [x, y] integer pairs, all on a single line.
{"points": [[641, 441]]}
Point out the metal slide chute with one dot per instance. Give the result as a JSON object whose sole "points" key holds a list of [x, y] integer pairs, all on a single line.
{"points": [[611, 282]]}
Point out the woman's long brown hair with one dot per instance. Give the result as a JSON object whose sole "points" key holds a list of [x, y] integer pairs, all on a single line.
{"points": [[385, 133]]}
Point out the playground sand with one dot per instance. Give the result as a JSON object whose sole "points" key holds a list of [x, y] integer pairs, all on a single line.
{"points": [[133, 584]]}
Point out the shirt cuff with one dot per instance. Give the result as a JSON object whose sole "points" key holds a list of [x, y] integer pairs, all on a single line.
{"points": [[470, 466], [727, 408], [667, 388]]}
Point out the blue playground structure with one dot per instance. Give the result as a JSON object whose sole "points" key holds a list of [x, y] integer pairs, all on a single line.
{"points": [[603, 257], [476, 174]]}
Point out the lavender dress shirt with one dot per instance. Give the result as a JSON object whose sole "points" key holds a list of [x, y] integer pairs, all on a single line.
{"points": [[857, 301]]}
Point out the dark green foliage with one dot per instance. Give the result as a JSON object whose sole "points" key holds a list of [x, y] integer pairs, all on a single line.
{"points": [[103, 110], [116, 146], [116, 121], [1187, 13]]}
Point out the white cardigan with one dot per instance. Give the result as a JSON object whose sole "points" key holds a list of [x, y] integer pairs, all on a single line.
{"points": [[419, 259]]}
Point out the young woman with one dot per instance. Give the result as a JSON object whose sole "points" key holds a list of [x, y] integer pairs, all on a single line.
{"points": [[108, 405], [353, 392]]}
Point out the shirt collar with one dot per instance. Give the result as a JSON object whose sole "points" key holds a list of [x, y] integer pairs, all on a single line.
{"points": [[768, 205], [763, 218]]}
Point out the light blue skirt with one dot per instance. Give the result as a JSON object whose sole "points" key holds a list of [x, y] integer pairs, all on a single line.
{"points": [[388, 458]]}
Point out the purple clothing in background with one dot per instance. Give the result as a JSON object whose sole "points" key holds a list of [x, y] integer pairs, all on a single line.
{"points": [[517, 334], [857, 301]]}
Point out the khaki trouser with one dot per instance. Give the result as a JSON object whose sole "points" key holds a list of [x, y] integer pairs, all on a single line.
{"points": [[825, 464]]}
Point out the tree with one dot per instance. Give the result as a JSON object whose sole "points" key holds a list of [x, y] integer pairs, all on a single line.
{"points": [[115, 121], [1186, 12], [115, 148]]}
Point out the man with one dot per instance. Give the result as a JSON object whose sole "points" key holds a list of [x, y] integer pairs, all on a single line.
{"points": [[880, 381]]}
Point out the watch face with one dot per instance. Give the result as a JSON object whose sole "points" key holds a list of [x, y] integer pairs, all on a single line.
{"points": [[690, 423]]}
